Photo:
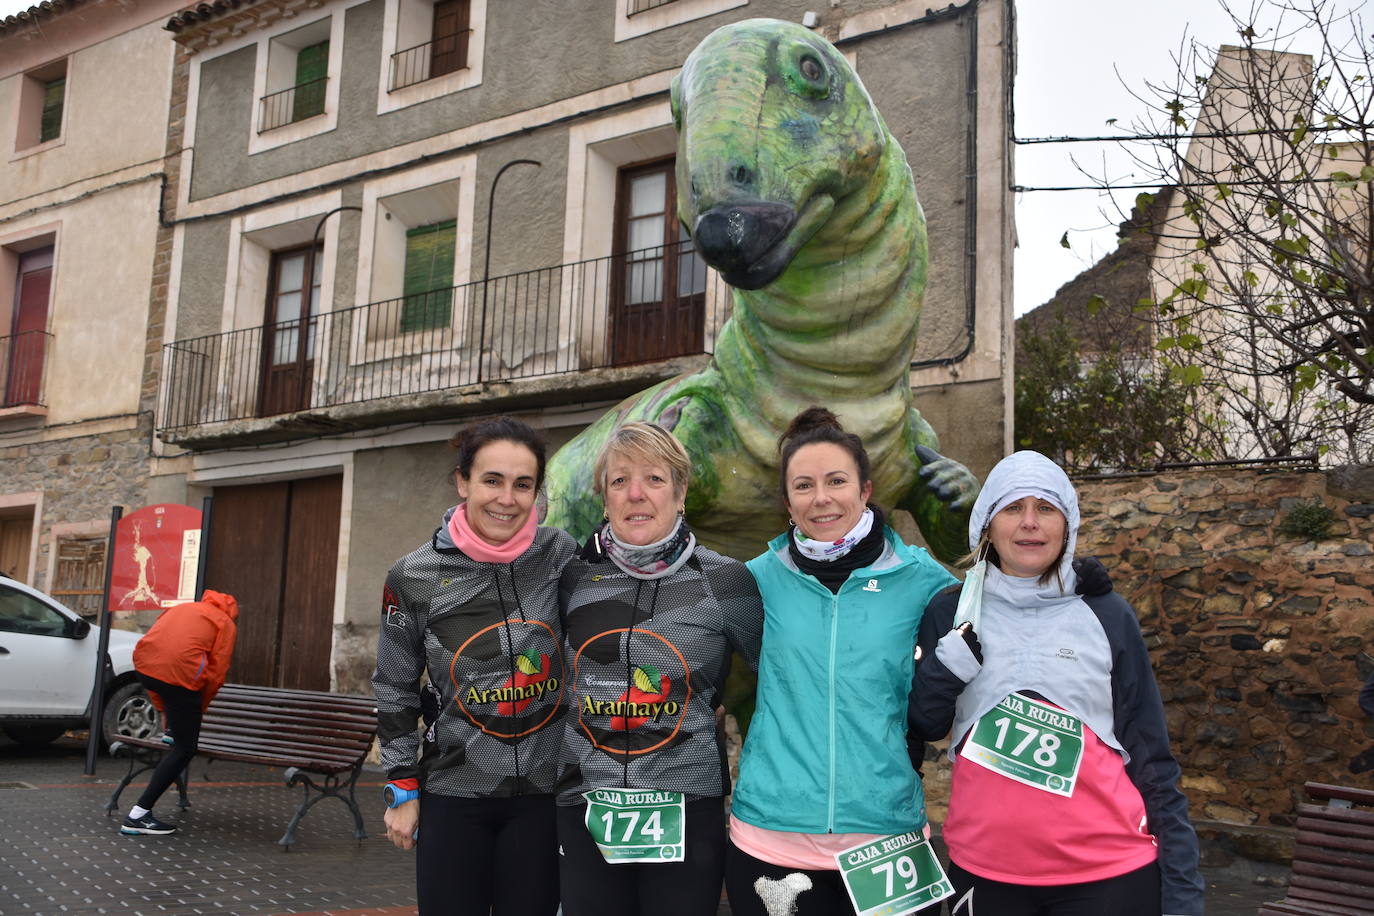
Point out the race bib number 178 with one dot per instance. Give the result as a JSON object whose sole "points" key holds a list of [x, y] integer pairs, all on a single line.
{"points": [[1033, 743]]}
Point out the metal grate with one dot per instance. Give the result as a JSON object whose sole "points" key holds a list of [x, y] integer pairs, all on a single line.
{"points": [[558, 320], [444, 55], [21, 368], [295, 103], [640, 6]]}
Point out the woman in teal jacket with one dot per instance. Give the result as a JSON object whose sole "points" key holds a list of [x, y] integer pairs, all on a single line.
{"points": [[826, 766]]}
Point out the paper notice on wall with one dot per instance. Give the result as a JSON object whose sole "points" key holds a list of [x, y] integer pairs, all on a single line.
{"points": [[190, 562]]}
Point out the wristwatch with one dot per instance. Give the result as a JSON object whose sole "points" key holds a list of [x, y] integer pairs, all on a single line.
{"points": [[395, 797]]}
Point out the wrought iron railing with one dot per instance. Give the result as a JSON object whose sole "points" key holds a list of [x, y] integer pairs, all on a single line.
{"points": [[639, 6], [445, 54], [557, 320], [22, 357], [295, 103]]}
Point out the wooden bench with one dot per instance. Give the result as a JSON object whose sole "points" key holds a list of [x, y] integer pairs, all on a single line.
{"points": [[1333, 864], [314, 735]]}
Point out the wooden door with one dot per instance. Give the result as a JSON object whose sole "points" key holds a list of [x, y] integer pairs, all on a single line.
{"points": [[274, 547], [312, 563], [449, 51], [24, 375], [288, 351], [659, 281], [15, 533]]}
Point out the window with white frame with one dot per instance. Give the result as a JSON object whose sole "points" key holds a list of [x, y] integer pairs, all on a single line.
{"points": [[297, 77], [296, 83], [634, 18], [414, 251], [433, 48], [42, 105]]}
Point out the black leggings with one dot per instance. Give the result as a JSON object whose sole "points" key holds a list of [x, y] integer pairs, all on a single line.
{"points": [[1135, 893], [181, 710], [480, 856], [591, 887]]}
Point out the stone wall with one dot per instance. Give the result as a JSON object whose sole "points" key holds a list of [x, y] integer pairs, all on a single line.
{"points": [[1260, 640], [80, 478]]}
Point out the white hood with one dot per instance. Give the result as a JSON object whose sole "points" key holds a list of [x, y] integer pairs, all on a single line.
{"points": [[1022, 474]]}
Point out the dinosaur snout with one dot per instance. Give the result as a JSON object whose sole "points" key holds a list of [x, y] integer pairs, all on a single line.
{"points": [[734, 237]]}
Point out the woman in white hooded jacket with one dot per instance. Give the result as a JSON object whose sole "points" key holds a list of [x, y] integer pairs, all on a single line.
{"points": [[1064, 798]]}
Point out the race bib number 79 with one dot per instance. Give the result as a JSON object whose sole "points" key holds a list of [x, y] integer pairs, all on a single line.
{"points": [[893, 876]]}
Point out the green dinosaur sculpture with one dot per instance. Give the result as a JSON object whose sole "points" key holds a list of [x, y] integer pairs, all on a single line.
{"points": [[796, 192]]}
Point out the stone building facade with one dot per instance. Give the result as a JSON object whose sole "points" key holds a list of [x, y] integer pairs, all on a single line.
{"points": [[84, 89], [307, 140]]}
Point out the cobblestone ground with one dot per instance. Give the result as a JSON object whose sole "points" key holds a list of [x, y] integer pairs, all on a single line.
{"points": [[61, 855]]}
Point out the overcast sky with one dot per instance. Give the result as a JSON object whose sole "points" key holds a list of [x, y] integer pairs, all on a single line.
{"points": [[1076, 59]]}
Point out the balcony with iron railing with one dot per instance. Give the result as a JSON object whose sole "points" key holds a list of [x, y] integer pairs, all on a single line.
{"points": [[22, 357], [440, 57], [292, 104], [592, 329], [641, 6]]}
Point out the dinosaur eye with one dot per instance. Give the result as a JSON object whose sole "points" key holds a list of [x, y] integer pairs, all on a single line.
{"points": [[810, 76]]}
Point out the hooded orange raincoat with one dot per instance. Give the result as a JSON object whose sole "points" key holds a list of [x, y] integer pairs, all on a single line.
{"points": [[190, 645]]}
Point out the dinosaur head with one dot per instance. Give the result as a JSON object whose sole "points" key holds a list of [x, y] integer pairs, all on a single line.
{"points": [[774, 128]]}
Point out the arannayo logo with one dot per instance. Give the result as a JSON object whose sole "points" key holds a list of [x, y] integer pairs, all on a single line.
{"points": [[645, 700], [633, 715], [508, 693]]}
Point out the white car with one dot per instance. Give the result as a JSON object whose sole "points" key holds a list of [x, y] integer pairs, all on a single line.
{"points": [[47, 672]]}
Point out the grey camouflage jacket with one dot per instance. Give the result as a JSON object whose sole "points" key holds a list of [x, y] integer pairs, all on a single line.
{"points": [[490, 638], [647, 662]]}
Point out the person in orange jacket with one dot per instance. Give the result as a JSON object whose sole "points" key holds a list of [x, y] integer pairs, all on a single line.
{"points": [[182, 662]]}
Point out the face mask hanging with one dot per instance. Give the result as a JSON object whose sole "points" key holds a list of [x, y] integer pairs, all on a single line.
{"points": [[970, 608]]}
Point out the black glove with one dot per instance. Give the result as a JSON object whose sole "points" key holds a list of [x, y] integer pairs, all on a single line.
{"points": [[971, 640], [1093, 578]]}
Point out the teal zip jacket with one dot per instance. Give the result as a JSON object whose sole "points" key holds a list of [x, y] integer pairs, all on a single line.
{"points": [[827, 751]]}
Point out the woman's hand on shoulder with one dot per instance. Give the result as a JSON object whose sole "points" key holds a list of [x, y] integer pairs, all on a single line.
{"points": [[1093, 578]]}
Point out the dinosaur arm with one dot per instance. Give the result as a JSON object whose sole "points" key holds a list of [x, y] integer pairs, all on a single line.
{"points": [[941, 495]]}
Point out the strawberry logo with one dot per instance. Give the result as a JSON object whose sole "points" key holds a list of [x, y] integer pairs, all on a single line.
{"points": [[530, 668], [647, 686]]}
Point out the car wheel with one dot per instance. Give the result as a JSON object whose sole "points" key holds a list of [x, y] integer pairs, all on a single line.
{"points": [[129, 712], [34, 735]]}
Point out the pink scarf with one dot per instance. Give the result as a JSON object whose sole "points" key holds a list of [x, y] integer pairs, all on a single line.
{"points": [[468, 541]]}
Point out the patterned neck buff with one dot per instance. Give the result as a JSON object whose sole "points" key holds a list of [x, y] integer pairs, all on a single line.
{"points": [[650, 561], [828, 551]]}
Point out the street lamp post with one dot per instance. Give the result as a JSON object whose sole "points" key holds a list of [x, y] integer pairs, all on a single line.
{"points": [[486, 265]]}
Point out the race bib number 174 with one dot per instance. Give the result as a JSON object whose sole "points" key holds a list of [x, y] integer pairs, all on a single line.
{"points": [[637, 826]]}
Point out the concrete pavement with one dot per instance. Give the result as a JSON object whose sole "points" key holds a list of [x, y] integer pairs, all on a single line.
{"points": [[62, 855]]}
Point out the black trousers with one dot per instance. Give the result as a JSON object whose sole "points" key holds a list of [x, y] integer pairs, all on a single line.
{"points": [[592, 887], [181, 710], [1135, 893], [486, 856]]}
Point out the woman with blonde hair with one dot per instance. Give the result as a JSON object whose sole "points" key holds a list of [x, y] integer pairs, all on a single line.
{"points": [[650, 618]]}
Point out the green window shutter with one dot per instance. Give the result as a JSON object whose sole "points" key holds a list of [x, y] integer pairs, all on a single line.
{"points": [[428, 288], [54, 93], [312, 66]]}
